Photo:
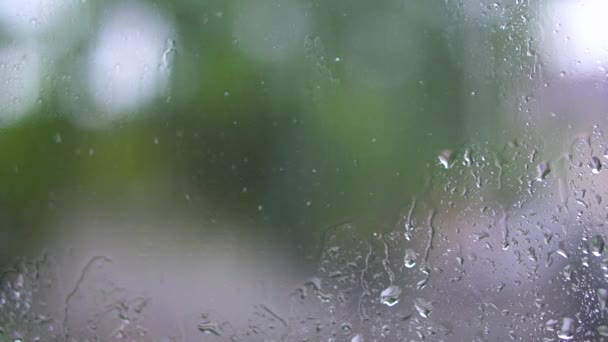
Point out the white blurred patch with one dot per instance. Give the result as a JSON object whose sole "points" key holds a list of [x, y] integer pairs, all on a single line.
{"points": [[575, 37], [20, 80], [31, 16], [271, 30], [130, 62]]}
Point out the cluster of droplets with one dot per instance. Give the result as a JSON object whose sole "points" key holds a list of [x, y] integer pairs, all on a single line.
{"points": [[469, 250], [23, 315], [517, 262]]}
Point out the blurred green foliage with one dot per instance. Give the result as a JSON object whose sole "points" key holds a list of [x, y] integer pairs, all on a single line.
{"points": [[306, 138]]}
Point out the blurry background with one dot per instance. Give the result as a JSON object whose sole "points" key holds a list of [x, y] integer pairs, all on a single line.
{"points": [[187, 161]]}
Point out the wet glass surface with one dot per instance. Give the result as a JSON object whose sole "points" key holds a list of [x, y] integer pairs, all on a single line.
{"points": [[286, 170]]}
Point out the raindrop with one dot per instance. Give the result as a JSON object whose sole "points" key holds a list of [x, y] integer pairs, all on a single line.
{"points": [[542, 170], [385, 330], [561, 252], [597, 245], [602, 297], [357, 338], [566, 331], [168, 54], [390, 295], [550, 325], [18, 283], [423, 307], [410, 258], [596, 165], [532, 254], [209, 328], [346, 328], [567, 272], [445, 158], [602, 330], [467, 157]]}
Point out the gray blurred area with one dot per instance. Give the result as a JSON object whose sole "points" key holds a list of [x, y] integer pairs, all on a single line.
{"points": [[287, 170]]}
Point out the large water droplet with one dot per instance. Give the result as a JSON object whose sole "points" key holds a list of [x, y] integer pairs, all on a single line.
{"points": [[566, 331], [602, 330], [390, 295], [597, 245], [423, 307], [445, 158], [550, 325], [542, 170], [596, 165], [209, 328], [410, 258]]}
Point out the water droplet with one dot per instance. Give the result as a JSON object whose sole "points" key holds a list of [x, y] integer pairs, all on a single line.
{"points": [[596, 165], [467, 157], [566, 331], [346, 327], [551, 324], [567, 272], [445, 158], [410, 258], [58, 138], [597, 245], [390, 295], [532, 254], [357, 338], [602, 297], [423, 307], [168, 55], [18, 283], [602, 330], [209, 328], [542, 170], [561, 252]]}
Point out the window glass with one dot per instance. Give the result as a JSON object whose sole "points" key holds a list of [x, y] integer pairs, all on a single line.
{"points": [[303, 170]]}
